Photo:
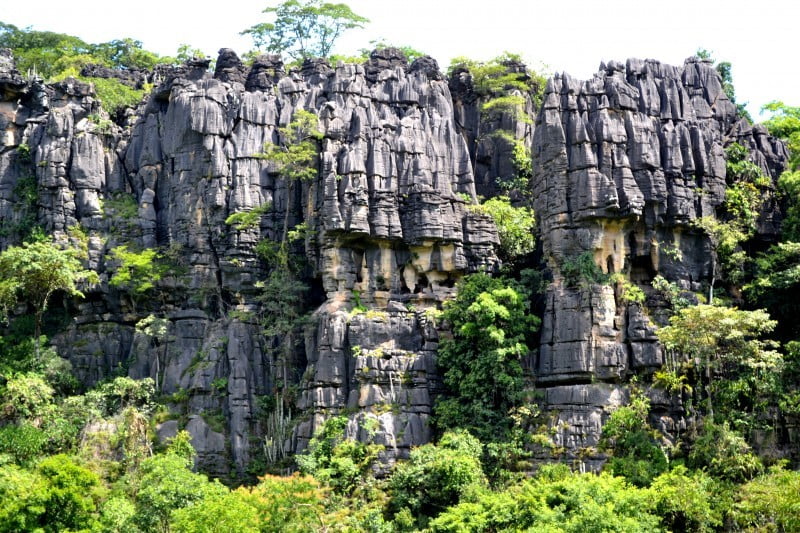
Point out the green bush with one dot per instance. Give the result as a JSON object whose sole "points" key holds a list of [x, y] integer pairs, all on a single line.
{"points": [[23, 442], [22, 499], [343, 464], [769, 503], [437, 476], [115, 95], [492, 78], [687, 501], [724, 454], [556, 500], [73, 494], [636, 453], [581, 270], [515, 226], [166, 485]]}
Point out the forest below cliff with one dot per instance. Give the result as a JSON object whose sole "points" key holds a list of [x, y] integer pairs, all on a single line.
{"points": [[363, 294]]}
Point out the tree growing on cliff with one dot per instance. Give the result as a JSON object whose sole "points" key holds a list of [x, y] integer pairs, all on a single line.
{"points": [[33, 272], [296, 156], [482, 363], [304, 29], [713, 341]]}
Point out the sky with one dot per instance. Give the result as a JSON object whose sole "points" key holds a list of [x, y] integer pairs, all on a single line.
{"points": [[760, 39]]}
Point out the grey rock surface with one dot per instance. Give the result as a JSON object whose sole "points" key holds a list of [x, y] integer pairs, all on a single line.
{"points": [[623, 164], [387, 226]]}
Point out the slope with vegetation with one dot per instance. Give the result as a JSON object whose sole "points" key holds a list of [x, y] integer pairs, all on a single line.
{"points": [[160, 368]]}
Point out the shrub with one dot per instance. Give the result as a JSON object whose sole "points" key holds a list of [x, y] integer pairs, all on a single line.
{"points": [[555, 500], [515, 226], [341, 463], [684, 500], [581, 270], [724, 454], [114, 95], [437, 476], [636, 453], [770, 502]]}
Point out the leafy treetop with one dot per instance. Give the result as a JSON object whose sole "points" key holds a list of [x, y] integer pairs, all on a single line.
{"points": [[34, 271], [304, 29]]}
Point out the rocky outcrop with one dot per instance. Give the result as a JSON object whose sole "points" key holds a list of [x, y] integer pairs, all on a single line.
{"points": [[386, 230], [623, 165], [491, 134]]}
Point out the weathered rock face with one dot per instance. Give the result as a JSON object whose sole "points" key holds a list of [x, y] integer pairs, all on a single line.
{"points": [[623, 164], [386, 228], [490, 135]]}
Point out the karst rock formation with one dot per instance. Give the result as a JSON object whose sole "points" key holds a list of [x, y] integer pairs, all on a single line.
{"points": [[622, 165]]}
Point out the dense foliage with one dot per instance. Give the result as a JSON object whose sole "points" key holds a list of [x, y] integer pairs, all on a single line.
{"points": [[482, 363]]}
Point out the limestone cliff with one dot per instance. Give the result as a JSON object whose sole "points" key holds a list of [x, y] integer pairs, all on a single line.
{"points": [[622, 164], [386, 227]]}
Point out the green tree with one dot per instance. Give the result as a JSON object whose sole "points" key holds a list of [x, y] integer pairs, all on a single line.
{"points": [[555, 500], [437, 476], [343, 464], [723, 453], [770, 502], [785, 124], [282, 293], [789, 185], [22, 498], [125, 53], [26, 396], [738, 220], [229, 512], [167, 484], [58, 495], [137, 272], [40, 51], [295, 156], [515, 226], [51, 54], [493, 78], [713, 341], [776, 284], [685, 500], [304, 28], [118, 514], [637, 455], [290, 504], [33, 272], [481, 364], [72, 496]]}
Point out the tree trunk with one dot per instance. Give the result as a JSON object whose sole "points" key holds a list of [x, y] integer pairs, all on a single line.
{"points": [[713, 278], [37, 332]]}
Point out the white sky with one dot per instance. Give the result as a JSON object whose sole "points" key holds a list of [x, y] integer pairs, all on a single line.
{"points": [[759, 38]]}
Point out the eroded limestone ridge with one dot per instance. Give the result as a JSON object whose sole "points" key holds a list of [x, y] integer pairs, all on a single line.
{"points": [[385, 227], [623, 164]]}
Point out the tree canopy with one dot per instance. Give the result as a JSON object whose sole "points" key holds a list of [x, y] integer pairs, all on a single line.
{"points": [[304, 29], [34, 271]]}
